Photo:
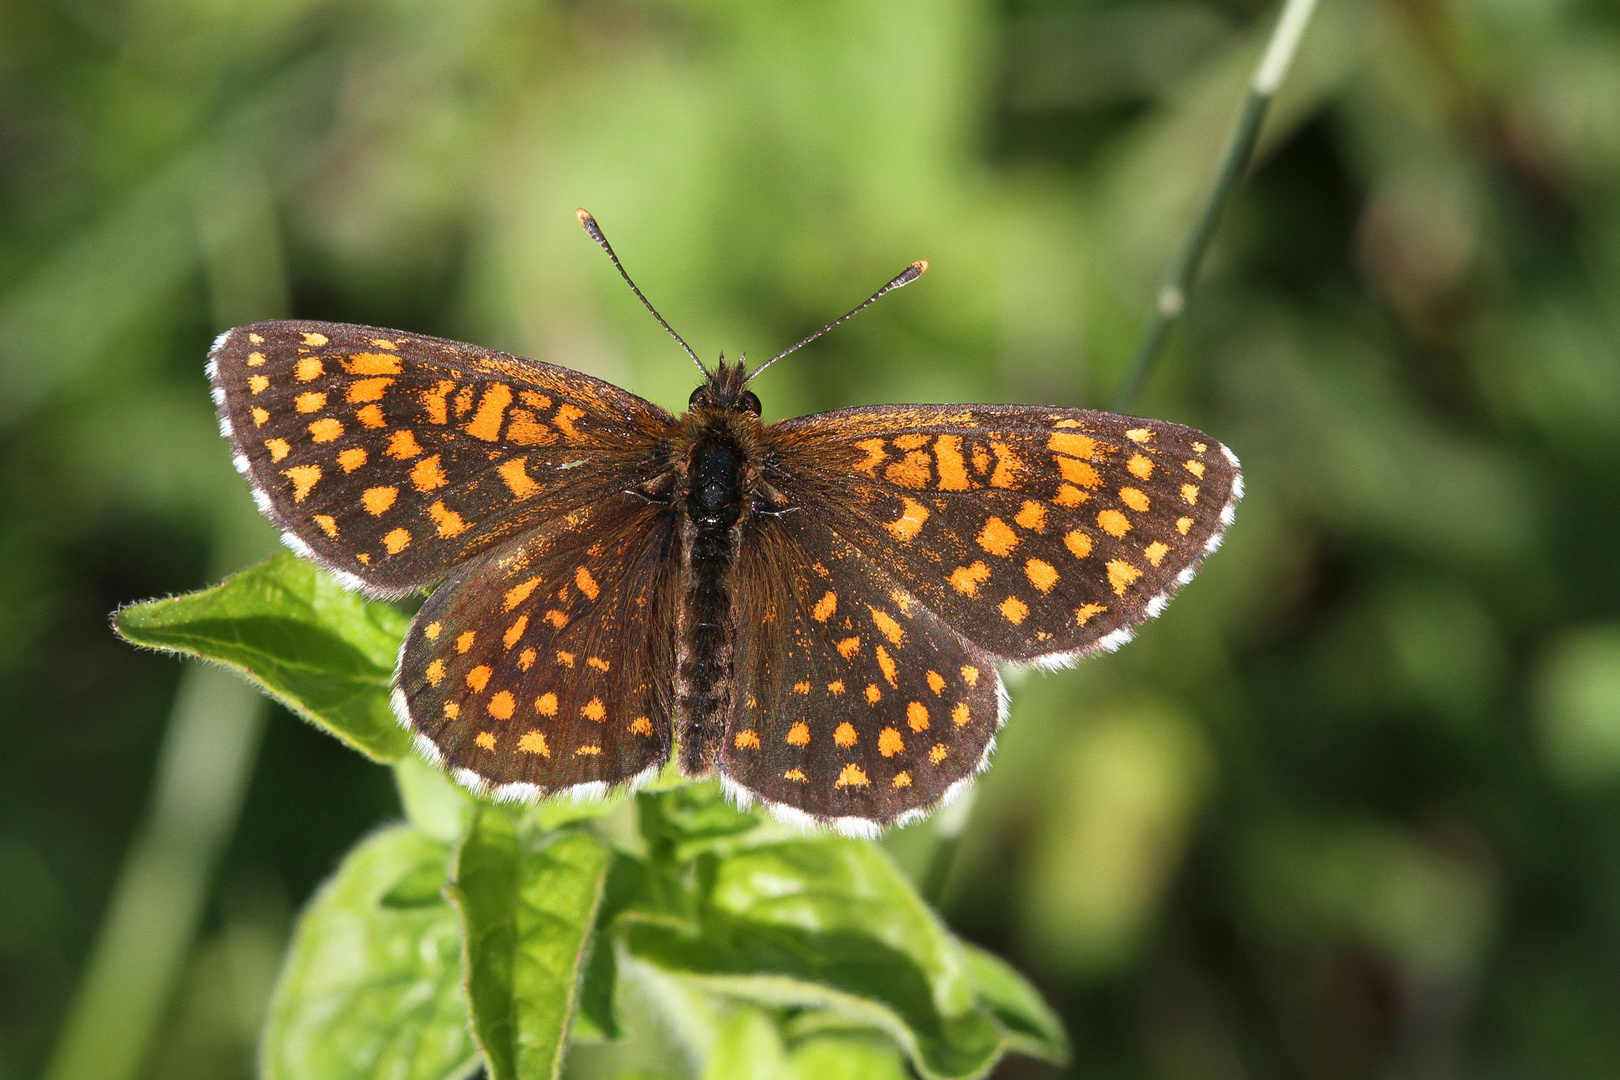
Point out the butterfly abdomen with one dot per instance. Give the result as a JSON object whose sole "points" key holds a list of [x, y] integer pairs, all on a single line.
{"points": [[712, 504]]}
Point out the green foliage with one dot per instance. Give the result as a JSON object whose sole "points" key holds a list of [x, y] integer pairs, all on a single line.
{"points": [[312, 645], [805, 955]]}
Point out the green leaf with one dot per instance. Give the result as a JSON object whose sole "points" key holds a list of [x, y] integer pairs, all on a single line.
{"points": [[369, 988], [431, 800], [830, 924], [747, 1046], [322, 651], [528, 906], [1031, 1026], [847, 1057]]}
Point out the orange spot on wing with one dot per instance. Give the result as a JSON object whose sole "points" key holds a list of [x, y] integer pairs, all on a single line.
{"points": [[260, 416], [851, 776], [478, 677], [873, 694], [556, 618], [597, 663], [889, 742], [1041, 574], [1183, 525], [1113, 523], [586, 583], [887, 665], [948, 460], [801, 687], [370, 363], [1194, 467], [1135, 499], [641, 726], [912, 471], [564, 419], [1156, 551], [967, 579], [304, 478], [1139, 435], [279, 448], [1189, 492], [835, 687], [844, 734], [1075, 445], [970, 675], [427, 474], [325, 430], [486, 422], [315, 339], [746, 740], [546, 704], [514, 633], [848, 647], [1078, 472], [434, 673], [434, 402], [1140, 467], [309, 367], [1121, 574], [1014, 610], [310, 402], [327, 523], [402, 444], [432, 630], [901, 779], [917, 716], [796, 775], [371, 416], [367, 390], [464, 641], [351, 459], [1009, 467], [501, 705], [799, 734], [936, 681], [593, 709], [397, 541], [485, 741], [960, 715], [378, 499], [526, 659], [1078, 543], [534, 742], [875, 456], [448, 521], [997, 537], [825, 607], [937, 753], [520, 592], [1031, 516], [886, 623], [912, 516], [516, 479]]}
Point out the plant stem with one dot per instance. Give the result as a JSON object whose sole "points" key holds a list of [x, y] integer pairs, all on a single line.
{"points": [[1172, 299]]}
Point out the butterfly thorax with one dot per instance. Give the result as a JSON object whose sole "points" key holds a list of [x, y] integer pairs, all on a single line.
{"points": [[718, 443]]}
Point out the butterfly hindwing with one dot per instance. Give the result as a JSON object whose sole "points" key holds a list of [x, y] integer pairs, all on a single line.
{"points": [[853, 703], [1039, 534], [392, 457], [547, 663]]}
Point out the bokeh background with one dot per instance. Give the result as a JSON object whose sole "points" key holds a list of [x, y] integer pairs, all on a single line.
{"points": [[1351, 808]]}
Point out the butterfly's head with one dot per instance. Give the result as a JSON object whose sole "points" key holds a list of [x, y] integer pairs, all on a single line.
{"points": [[725, 390]]}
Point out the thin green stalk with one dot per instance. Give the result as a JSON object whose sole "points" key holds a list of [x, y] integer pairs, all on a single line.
{"points": [[1178, 282]]}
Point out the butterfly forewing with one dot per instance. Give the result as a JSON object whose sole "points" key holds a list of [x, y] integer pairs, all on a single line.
{"points": [[1039, 534], [392, 457], [547, 663], [853, 702]]}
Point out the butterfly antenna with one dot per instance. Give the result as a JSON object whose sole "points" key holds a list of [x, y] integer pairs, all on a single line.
{"points": [[905, 277], [595, 232]]}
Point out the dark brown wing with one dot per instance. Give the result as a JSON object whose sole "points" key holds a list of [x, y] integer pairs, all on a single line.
{"points": [[1039, 534], [547, 663], [854, 704], [390, 458]]}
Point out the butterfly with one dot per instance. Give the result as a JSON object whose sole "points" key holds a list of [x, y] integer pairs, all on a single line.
{"points": [[813, 609]]}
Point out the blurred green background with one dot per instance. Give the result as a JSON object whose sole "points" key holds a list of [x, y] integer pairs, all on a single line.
{"points": [[1350, 809]]}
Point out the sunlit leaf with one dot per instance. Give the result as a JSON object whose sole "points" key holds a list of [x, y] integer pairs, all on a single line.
{"points": [[528, 905], [830, 923], [322, 651], [1031, 1026], [371, 987]]}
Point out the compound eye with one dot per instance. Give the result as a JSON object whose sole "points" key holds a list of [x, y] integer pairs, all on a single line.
{"points": [[750, 402], [698, 398]]}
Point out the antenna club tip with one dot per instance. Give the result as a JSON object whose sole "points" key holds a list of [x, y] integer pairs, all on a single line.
{"points": [[921, 266], [585, 218]]}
